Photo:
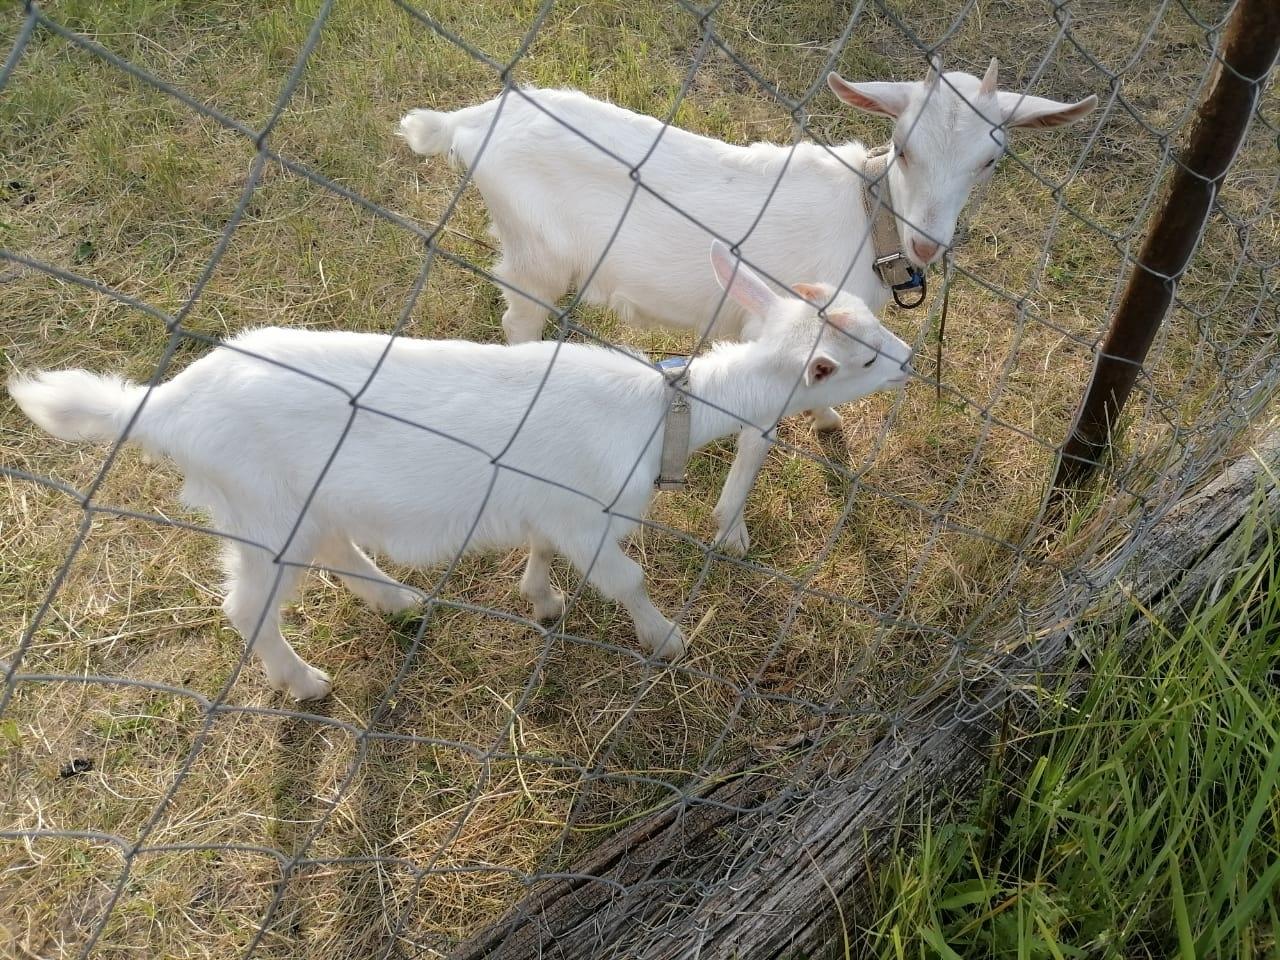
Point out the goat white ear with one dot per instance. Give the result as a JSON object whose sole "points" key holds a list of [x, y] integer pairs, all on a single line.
{"points": [[1040, 113], [879, 97], [934, 73], [990, 79], [819, 369], [740, 281]]}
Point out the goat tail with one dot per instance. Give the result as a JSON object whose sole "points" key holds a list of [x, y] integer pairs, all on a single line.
{"points": [[428, 132], [78, 405]]}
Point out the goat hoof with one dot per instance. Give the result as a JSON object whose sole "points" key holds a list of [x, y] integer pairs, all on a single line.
{"points": [[305, 683], [550, 608], [669, 646], [735, 541], [825, 420], [396, 600]]}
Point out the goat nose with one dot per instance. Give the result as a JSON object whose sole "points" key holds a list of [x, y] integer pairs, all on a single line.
{"points": [[925, 250]]}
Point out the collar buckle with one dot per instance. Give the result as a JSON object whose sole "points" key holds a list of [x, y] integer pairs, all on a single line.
{"points": [[890, 266], [894, 270]]}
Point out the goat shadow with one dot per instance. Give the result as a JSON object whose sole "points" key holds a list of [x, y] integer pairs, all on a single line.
{"points": [[299, 754], [377, 922], [359, 890]]}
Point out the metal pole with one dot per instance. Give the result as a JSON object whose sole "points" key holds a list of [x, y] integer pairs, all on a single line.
{"points": [[1246, 56]]}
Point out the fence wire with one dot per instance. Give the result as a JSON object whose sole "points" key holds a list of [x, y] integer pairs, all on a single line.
{"points": [[983, 565]]}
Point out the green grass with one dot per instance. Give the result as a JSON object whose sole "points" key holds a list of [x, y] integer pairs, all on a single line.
{"points": [[1148, 824], [105, 176]]}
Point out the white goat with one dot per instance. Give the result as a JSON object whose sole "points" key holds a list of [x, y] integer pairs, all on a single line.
{"points": [[453, 446], [556, 198]]}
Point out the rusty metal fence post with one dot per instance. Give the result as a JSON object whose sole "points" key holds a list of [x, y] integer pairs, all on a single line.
{"points": [[1246, 56]]}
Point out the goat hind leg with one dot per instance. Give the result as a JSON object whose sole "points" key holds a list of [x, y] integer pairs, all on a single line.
{"points": [[535, 585], [365, 578], [620, 578], [525, 317], [256, 586]]}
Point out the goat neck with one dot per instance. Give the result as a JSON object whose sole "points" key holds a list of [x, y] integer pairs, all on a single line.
{"points": [[735, 385]]}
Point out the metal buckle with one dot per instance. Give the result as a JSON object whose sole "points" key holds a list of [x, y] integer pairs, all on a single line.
{"points": [[892, 269]]}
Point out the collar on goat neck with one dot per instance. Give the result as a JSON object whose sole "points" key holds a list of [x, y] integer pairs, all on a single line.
{"points": [[730, 384], [675, 428], [890, 264], [717, 382]]}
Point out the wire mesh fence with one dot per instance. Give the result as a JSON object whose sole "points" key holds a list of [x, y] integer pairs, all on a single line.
{"points": [[181, 174]]}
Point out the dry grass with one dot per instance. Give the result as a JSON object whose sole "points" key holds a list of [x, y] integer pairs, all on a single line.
{"points": [[115, 181]]}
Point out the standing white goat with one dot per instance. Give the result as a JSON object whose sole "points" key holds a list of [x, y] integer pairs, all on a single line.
{"points": [[453, 446], [563, 209]]}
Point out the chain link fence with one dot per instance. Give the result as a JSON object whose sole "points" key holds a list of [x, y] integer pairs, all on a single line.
{"points": [[161, 800]]}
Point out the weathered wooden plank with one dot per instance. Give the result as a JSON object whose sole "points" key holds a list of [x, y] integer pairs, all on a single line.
{"points": [[749, 864]]}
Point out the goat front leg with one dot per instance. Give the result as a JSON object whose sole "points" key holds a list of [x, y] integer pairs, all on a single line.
{"points": [[620, 578], [826, 419], [731, 532]]}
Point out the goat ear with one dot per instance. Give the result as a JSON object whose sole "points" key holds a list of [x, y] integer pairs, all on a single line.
{"points": [[1039, 113], [990, 79], [934, 73], [880, 97], [815, 293], [820, 368], [740, 281]]}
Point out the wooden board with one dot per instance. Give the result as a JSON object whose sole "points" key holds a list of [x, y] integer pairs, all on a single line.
{"points": [[751, 864]]}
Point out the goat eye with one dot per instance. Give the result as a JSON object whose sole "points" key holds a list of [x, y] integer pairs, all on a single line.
{"points": [[902, 157], [989, 163], [872, 360]]}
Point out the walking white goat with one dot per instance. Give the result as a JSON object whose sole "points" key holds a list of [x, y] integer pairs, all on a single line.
{"points": [[301, 452], [568, 214]]}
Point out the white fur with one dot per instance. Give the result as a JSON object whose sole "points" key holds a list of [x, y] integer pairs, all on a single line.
{"points": [[77, 405], [452, 448], [555, 200]]}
